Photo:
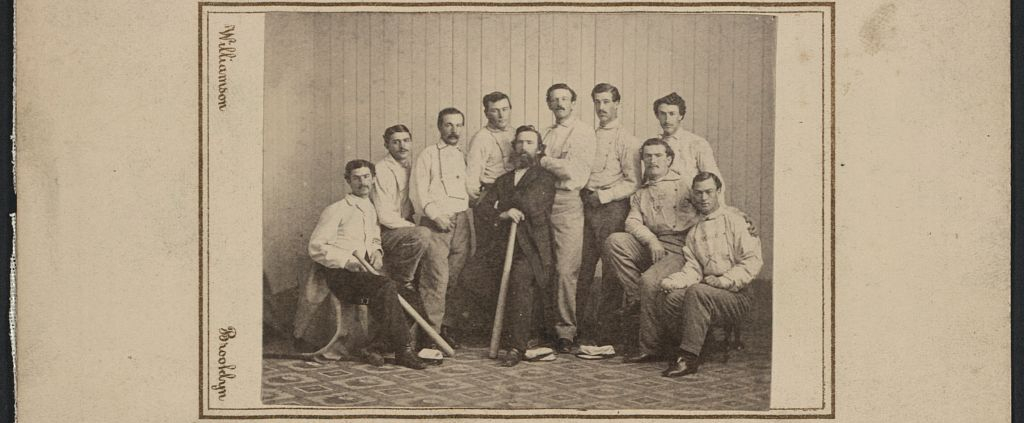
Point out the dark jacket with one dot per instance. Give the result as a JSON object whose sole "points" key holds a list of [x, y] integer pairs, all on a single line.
{"points": [[533, 196], [473, 301]]}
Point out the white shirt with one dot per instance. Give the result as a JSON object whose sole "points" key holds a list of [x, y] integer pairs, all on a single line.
{"points": [[439, 181], [347, 226], [390, 194], [517, 176], [569, 153]]}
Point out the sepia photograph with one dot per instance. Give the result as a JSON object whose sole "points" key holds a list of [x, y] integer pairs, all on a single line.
{"points": [[489, 211]]}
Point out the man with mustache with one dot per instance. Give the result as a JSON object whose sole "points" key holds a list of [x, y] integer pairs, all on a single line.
{"points": [[569, 155], [605, 206], [488, 158], [660, 213], [693, 153], [723, 254], [349, 227], [525, 196], [404, 243], [438, 193]]}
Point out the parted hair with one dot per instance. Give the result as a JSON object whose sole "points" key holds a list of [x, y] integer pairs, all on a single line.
{"points": [[605, 88], [395, 129], [671, 100], [703, 176], [658, 141], [529, 128], [448, 111], [559, 86], [496, 97], [357, 164]]}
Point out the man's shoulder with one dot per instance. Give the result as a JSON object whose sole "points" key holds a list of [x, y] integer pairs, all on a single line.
{"points": [[691, 137], [735, 217], [545, 175], [337, 206]]}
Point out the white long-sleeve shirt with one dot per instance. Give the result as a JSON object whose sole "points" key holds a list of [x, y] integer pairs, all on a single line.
{"points": [[390, 194], [347, 226], [720, 245], [438, 184], [569, 153], [488, 158], [617, 172]]}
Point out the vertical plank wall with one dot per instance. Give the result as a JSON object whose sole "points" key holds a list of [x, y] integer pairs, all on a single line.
{"points": [[333, 82]]}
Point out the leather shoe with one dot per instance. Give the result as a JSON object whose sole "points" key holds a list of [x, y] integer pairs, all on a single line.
{"points": [[447, 335], [680, 367], [640, 358], [563, 346], [512, 358], [409, 359], [373, 359]]}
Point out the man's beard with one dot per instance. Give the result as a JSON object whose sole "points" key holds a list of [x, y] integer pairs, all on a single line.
{"points": [[451, 139], [525, 161]]}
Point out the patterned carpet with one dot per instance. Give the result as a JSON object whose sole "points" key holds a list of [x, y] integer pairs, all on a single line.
{"points": [[470, 380]]}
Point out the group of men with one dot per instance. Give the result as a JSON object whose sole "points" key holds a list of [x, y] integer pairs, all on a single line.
{"points": [[653, 213]]}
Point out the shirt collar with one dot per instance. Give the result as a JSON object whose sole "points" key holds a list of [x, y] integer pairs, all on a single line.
{"points": [[357, 201], [611, 125], [716, 214], [496, 130], [567, 124], [441, 145], [672, 175], [394, 162]]}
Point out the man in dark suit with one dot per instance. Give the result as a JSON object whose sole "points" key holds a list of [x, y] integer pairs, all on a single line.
{"points": [[525, 196]]}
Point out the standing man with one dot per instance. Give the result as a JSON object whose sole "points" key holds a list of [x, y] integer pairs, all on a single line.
{"points": [[491, 147], [347, 228], [404, 243], [439, 197], [693, 153], [660, 213], [488, 158], [569, 155], [525, 196], [723, 255], [615, 177]]}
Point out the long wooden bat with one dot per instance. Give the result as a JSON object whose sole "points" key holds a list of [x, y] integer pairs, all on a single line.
{"points": [[499, 313], [447, 349]]}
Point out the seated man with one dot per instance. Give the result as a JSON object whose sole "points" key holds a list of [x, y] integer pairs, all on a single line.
{"points": [[347, 228], [660, 213], [525, 196], [404, 243], [723, 255]]}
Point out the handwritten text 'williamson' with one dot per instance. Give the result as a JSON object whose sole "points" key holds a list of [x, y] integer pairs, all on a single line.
{"points": [[225, 54]]}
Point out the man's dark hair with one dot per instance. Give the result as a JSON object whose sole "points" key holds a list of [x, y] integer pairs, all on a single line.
{"points": [[529, 128], [448, 111], [395, 129], [671, 100], [605, 88], [703, 176], [559, 86], [357, 164], [494, 98], [658, 141]]}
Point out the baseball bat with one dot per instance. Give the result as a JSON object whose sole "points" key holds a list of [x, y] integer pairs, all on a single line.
{"points": [[445, 348], [499, 313]]}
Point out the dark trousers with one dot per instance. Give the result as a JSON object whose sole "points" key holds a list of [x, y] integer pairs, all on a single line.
{"points": [[380, 295], [690, 312], [594, 300], [525, 294]]}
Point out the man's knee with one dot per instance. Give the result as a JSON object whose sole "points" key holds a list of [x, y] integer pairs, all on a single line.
{"points": [[698, 294], [615, 246]]}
